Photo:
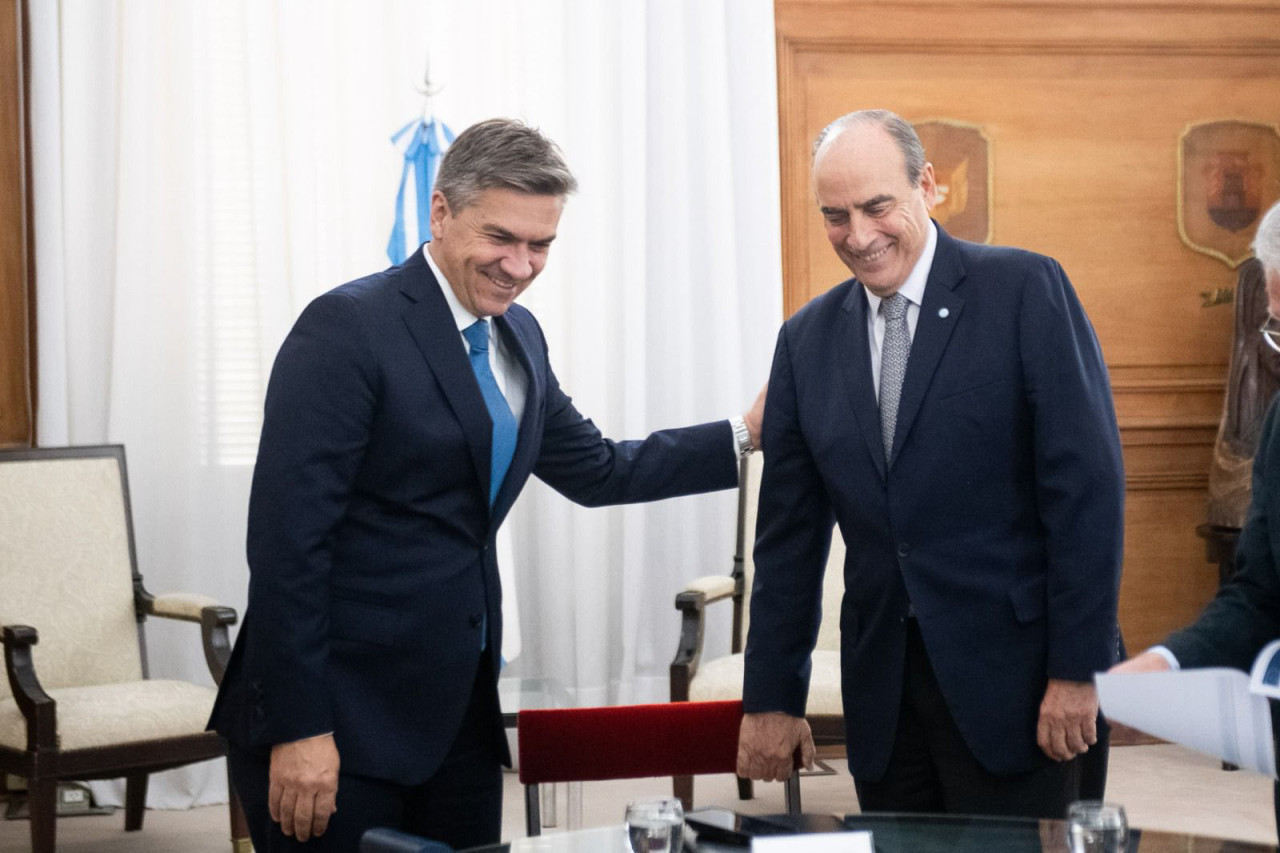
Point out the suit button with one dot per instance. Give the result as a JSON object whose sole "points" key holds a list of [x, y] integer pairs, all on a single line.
{"points": [[476, 620], [904, 549]]}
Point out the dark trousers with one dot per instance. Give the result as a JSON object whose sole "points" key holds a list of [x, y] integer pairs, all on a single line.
{"points": [[932, 769], [1093, 764], [461, 804], [1275, 735]]}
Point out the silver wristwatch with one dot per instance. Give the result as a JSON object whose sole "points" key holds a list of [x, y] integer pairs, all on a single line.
{"points": [[742, 436]]}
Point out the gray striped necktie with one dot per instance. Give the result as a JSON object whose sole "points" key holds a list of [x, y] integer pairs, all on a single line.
{"points": [[893, 364]]}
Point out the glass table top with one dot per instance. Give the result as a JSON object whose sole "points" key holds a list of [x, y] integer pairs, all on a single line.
{"points": [[907, 834]]}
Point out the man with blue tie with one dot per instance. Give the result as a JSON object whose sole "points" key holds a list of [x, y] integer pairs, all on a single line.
{"points": [[404, 414], [949, 408]]}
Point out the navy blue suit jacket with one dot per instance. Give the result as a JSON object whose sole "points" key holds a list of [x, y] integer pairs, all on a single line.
{"points": [[997, 514], [1245, 615], [370, 543]]}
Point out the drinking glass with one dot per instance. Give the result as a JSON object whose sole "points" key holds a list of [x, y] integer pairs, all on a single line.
{"points": [[1096, 827], [655, 825]]}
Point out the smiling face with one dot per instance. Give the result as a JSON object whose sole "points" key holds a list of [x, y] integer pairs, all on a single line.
{"points": [[875, 219], [492, 249]]}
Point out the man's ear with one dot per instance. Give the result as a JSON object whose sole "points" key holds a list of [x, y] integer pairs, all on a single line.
{"points": [[440, 214], [929, 186]]}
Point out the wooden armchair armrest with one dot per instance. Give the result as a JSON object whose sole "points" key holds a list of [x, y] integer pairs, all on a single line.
{"points": [[692, 602], [711, 588], [214, 619], [37, 707], [186, 606]]}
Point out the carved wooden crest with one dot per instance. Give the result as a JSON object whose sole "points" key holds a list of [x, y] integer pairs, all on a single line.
{"points": [[1228, 175], [961, 156]]}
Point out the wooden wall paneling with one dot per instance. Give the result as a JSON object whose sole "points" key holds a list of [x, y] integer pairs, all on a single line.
{"points": [[1084, 103], [16, 427], [1166, 579]]}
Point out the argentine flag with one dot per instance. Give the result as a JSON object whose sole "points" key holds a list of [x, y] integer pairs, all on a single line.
{"points": [[427, 140]]}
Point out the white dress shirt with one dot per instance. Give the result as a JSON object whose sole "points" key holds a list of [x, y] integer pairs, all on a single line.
{"points": [[913, 290], [503, 362], [1168, 655]]}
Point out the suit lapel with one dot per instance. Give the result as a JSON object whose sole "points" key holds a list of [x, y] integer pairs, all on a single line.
{"points": [[433, 329], [939, 314], [851, 338]]}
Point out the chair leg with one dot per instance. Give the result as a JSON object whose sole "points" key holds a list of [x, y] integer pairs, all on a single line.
{"points": [[135, 801], [532, 811], [682, 788], [42, 807], [240, 842], [792, 794], [746, 790]]}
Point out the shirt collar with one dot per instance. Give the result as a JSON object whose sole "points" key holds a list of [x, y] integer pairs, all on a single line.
{"points": [[913, 287], [461, 316]]}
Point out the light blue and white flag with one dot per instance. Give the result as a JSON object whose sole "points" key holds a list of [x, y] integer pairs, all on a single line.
{"points": [[427, 141]]}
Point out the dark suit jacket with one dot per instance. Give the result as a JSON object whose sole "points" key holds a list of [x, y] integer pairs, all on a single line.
{"points": [[370, 544], [1245, 615], [999, 517]]}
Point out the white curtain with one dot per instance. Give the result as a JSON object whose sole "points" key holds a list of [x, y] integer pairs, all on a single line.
{"points": [[203, 168]]}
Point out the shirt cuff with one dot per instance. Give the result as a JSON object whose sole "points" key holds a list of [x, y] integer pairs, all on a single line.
{"points": [[1164, 652]]}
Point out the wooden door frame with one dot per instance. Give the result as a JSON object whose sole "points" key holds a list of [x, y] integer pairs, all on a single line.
{"points": [[17, 261]]}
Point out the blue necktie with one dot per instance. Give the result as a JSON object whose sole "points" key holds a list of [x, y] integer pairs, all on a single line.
{"points": [[505, 428]]}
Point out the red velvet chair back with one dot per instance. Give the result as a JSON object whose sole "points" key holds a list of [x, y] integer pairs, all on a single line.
{"points": [[628, 741]]}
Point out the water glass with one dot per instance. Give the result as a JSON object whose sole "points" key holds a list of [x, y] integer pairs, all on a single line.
{"points": [[1097, 827], [655, 825]]}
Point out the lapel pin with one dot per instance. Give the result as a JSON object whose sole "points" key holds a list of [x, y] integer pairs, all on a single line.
{"points": [[943, 313]]}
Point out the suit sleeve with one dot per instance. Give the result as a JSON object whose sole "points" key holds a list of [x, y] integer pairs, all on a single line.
{"points": [[1079, 473], [316, 422], [1245, 615], [793, 536], [579, 462]]}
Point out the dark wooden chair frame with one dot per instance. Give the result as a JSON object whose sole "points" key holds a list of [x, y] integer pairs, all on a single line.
{"points": [[828, 729], [44, 764]]}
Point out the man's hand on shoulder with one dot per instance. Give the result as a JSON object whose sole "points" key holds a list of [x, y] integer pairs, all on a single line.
{"points": [[303, 790], [767, 746], [1145, 662], [1068, 719]]}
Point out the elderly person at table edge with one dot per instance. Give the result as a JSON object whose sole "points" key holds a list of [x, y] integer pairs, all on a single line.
{"points": [[1245, 615]]}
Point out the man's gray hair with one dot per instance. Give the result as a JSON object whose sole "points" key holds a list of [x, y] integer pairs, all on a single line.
{"points": [[895, 125], [502, 153], [1266, 242]]}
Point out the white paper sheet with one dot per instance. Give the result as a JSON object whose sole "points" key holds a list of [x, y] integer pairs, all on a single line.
{"points": [[1208, 710], [819, 842]]}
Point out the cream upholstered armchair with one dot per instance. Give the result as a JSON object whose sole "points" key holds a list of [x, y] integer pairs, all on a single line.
{"points": [[77, 703], [696, 680]]}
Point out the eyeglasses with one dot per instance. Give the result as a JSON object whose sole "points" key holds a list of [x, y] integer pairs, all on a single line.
{"points": [[1271, 332]]}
